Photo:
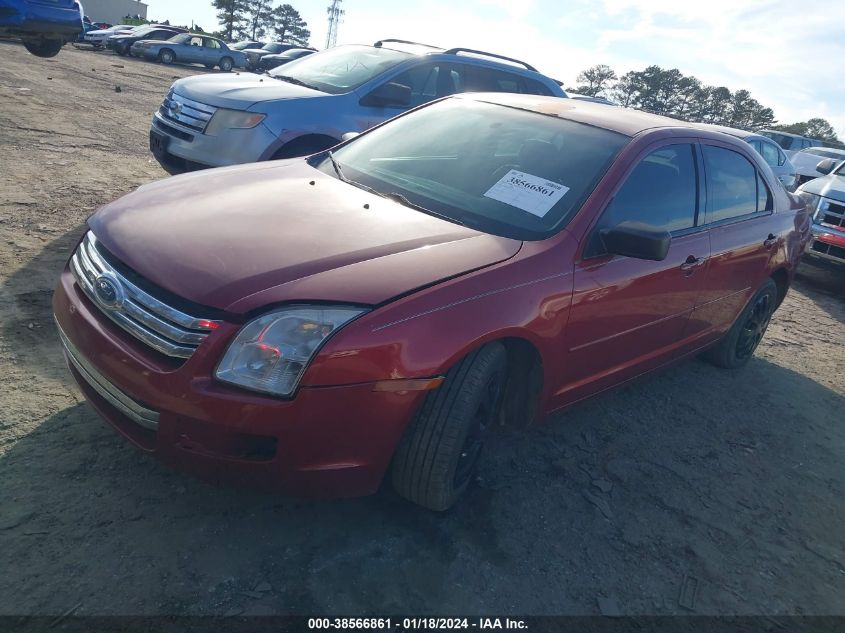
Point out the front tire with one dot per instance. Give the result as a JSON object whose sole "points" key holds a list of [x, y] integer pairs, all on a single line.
{"points": [[438, 454], [226, 64], [739, 344], [166, 56], [44, 47]]}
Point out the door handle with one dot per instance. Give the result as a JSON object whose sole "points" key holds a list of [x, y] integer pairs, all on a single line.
{"points": [[770, 241], [692, 263]]}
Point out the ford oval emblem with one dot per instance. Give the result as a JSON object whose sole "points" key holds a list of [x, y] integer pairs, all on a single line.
{"points": [[109, 291]]}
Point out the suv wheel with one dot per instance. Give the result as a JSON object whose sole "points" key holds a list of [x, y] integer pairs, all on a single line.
{"points": [[44, 47], [438, 454], [738, 345]]}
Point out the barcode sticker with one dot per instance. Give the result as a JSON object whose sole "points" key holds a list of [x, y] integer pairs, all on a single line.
{"points": [[529, 193]]}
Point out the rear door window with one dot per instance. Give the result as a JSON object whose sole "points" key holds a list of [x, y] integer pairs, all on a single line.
{"points": [[770, 154], [429, 82], [735, 189], [481, 79]]}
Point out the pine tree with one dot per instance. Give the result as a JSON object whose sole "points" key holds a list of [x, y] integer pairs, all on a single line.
{"points": [[230, 14], [289, 26]]}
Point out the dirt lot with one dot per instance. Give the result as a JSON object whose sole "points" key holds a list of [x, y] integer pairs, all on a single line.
{"points": [[726, 487]]}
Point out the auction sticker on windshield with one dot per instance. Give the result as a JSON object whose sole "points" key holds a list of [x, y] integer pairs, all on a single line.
{"points": [[529, 193]]}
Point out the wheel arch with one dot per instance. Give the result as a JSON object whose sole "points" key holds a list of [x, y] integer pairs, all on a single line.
{"points": [[781, 278], [303, 143]]}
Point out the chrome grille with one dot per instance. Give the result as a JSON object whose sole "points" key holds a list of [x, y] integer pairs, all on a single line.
{"points": [[831, 213], [186, 112], [162, 327]]}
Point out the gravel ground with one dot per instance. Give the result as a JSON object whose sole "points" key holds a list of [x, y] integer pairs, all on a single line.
{"points": [[693, 491]]}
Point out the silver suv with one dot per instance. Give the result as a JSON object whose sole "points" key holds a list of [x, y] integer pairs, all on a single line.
{"points": [[307, 105]]}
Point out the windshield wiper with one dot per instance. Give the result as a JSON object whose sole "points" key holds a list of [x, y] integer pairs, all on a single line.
{"points": [[398, 197], [294, 80], [337, 168]]}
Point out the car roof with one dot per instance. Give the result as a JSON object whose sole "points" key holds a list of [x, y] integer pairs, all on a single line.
{"points": [[623, 120]]}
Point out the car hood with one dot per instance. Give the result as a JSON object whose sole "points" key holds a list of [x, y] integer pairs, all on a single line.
{"points": [[240, 90], [244, 237], [831, 186]]}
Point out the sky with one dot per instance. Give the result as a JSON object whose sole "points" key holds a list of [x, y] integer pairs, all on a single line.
{"points": [[789, 54]]}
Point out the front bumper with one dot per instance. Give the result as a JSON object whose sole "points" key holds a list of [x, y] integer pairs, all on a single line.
{"points": [[326, 441], [826, 245], [35, 19], [190, 150]]}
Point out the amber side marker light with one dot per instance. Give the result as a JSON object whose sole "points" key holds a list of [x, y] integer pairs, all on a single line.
{"points": [[417, 384]]}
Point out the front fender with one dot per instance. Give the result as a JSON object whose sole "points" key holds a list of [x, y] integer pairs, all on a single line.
{"points": [[427, 332]]}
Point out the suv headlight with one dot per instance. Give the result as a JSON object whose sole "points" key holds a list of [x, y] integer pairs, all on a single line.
{"points": [[810, 199], [271, 353], [225, 119]]}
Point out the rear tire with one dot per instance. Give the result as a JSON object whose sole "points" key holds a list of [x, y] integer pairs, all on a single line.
{"points": [[739, 344], [166, 56], [226, 64], [44, 47], [438, 454]]}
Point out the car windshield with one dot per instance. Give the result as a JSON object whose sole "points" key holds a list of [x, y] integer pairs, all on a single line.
{"points": [[273, 47], [494, 168], [143, 30], [340, 69]]}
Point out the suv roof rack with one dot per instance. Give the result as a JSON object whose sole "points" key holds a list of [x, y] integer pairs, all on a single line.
{"points": [[381, 43], [455, 51]]}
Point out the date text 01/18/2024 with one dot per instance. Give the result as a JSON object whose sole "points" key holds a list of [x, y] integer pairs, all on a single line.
{"points": [[416, 624]]}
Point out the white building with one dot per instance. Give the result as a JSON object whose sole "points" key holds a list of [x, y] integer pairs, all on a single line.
{"points": [[113, 11]]}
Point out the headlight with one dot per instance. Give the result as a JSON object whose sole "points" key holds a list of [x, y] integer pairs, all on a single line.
{"points": [[225, 119], [271, 353], [810, 199]]}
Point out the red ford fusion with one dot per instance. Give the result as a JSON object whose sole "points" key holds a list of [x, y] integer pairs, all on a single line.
{"points": [[315, 325]]}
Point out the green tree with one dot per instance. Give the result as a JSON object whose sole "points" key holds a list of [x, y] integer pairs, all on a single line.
{"points": [[230, 14], [258, 20], [595, 80], [625, 92], [819, 128], [814, 128], [289, 26]]}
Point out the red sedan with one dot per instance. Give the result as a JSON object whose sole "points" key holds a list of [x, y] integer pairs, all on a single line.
{"points": [[311, 325]]}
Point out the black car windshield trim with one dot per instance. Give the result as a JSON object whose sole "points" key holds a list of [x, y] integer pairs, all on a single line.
{"points": [[505, 171]]}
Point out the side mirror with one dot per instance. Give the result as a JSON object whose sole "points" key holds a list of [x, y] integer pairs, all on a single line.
{"points": [[389, 94], [349, 136], [638, 240], [826, 166]]}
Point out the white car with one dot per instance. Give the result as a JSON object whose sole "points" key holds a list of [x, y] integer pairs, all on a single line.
{"points": [[806, 160], [98, 38]]}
